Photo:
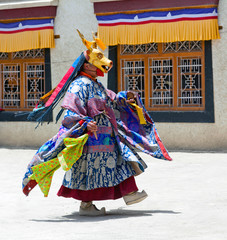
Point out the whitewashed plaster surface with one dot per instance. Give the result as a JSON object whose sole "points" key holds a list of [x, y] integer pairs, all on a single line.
{"points": [[73, 14]]}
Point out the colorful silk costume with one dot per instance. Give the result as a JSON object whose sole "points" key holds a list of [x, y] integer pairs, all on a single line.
{"points": [[110, 160]]}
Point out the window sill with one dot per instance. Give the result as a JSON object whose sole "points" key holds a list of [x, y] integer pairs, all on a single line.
{"points": [[184, 117], [18, 116]]}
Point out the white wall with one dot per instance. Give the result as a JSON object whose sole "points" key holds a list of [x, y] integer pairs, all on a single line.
{"points": [[72, 14]]}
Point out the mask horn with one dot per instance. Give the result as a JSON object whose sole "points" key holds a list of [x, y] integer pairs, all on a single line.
{"points": [[85, 42], [98, 42], [94, 42]]}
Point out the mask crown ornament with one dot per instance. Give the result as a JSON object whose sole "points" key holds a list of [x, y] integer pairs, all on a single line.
{"points": [[94, 55]]}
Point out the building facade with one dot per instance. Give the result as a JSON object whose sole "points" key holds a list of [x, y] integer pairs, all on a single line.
{"points": [[179, 74]]}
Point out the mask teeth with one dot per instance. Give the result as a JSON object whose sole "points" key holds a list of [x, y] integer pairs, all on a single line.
{"points": [[105, 67]]}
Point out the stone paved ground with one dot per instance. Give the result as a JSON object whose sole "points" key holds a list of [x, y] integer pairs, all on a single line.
{"points": [[187, 201]]}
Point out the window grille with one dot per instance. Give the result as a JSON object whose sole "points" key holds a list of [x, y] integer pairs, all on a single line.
{"points": [[34, 53], [168, 76], [139, 49], [190, 81], [22, 78], [161, 75], [182, 46], [34, 83], [4, 55], [134, 76]]}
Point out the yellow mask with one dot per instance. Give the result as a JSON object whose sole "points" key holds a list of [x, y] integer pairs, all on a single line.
{"points": [[94, 55]]}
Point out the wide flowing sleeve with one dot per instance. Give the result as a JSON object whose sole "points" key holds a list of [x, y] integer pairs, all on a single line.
{"points": [[143, 137]]}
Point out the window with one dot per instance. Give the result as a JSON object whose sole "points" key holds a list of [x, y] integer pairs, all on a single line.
{"points": [[24, 78], [174, 80], [168, 76]]}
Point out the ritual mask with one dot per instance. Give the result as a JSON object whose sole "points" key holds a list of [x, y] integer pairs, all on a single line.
{"points": [[94, 55]]}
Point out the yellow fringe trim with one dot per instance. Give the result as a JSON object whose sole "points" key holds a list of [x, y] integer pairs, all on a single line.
{"points": [[160, 32], [27, 40]]}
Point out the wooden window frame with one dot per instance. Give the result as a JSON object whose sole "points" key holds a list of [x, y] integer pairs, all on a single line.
{"points": [[23, 83], [20, 114], [174, 56], [205, 116]]}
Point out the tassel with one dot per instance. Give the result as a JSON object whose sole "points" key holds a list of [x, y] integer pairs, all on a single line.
{"points": [[34, 114], [46, 96], [140, 113], [41, 112], [59, 114]]}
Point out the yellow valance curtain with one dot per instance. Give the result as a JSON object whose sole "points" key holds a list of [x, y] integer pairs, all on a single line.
{"points": [[162, 25], [156, 32], [27, 34]]}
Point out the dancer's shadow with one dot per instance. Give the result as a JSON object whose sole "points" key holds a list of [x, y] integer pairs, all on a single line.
{"points": [[112, 214]]}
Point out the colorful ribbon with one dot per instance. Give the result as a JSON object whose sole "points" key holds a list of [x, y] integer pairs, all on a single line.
{"points": [[139, 112]]}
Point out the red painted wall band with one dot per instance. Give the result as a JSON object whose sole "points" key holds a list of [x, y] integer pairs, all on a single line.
{"points": [[135, 5], [23, 13]]}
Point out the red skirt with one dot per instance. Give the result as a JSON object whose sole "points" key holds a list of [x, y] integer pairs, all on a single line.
{"points": [[122, 189]]}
